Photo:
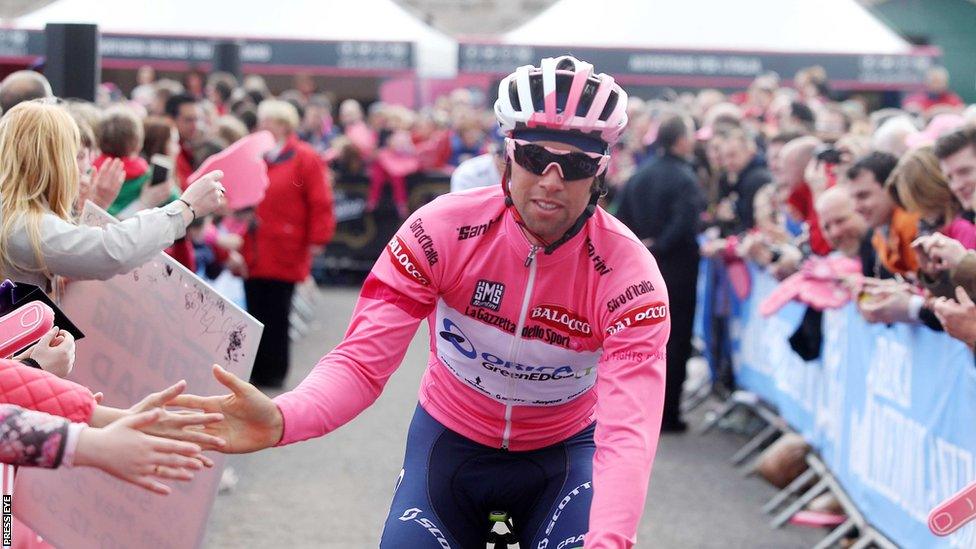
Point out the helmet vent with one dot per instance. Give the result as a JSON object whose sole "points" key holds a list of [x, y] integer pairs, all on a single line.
{"points": [[513, 96], [566, 65], [537, 92], [611, 104]]}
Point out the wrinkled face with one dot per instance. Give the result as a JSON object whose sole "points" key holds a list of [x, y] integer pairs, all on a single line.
{"points": [[843, 227], [960, 169], [548, 204], [870, 199], [734, 155]]}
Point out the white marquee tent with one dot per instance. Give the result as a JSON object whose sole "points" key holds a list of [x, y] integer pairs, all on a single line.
{"points": [[384, 20], [810, 26]]}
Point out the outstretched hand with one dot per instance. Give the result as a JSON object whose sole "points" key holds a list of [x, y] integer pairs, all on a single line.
{"points": [[121, 450], [251, 421], [186, 426]]}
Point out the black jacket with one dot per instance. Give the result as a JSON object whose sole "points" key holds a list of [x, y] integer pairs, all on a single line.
{"points": [[663, 202], [752, 178]]}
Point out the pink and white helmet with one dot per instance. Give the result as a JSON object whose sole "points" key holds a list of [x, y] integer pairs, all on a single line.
{"points": [[563, 94]]}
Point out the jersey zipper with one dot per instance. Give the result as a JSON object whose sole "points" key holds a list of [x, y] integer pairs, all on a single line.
{"points": [[516, 341]]}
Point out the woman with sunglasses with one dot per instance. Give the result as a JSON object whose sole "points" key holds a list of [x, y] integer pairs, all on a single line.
{"points": [[548, 321]]}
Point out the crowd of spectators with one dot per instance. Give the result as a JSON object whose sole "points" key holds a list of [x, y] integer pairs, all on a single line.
{"points": [[777, 174]]}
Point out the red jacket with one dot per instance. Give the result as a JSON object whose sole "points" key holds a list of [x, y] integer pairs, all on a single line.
{"points": [[295, 214], [184, 165], [923, 101]]}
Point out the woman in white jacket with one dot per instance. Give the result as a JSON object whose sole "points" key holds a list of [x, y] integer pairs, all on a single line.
{"points": [[39, 175]]}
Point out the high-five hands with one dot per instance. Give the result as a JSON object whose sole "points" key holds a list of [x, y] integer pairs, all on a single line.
{"points": [[251, 421]]}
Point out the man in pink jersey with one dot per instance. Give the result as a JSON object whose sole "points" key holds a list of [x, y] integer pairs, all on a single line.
{"points": [[548, 323]]}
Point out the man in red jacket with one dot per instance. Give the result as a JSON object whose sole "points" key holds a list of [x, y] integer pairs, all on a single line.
{"points": [[292, 223], [186, 114]]}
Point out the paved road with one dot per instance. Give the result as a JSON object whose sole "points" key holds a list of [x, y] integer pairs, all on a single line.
{"points": [[334, 492]]}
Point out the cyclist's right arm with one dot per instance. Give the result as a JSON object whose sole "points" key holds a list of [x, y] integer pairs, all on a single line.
{"points": [[397, 295]]}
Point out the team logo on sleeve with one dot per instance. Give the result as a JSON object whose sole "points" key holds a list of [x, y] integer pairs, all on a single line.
{"points": [[562, 319], [632, 292], [488, 294], [644, 315], [425, 241], [405, 262]]}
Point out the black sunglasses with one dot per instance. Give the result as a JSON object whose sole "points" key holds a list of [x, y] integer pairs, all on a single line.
{"points": [[571, 165]]}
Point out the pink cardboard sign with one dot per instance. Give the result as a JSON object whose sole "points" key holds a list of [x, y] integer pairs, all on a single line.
{"points": [[145, 330], [245, 173]]}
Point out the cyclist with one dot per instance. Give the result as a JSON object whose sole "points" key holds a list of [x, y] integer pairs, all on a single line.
{"points": [[548, 319]]}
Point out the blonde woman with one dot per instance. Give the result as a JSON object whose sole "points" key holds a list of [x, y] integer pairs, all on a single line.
{"points": [[918, 185], [39, 177]]}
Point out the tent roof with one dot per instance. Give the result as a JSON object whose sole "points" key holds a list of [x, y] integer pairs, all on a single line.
{"points": [[810, 26], [284, 19]]}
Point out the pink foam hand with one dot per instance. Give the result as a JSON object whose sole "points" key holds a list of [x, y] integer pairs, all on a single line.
{"points": [[245, 173], [954, 512], [786, 291], [823, 294], [24, 326], [397, 164]]}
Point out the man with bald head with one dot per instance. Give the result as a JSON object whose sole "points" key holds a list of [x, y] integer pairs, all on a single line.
{"points": [[843, 227], [793, 159], [793, 162], [23, 86]]}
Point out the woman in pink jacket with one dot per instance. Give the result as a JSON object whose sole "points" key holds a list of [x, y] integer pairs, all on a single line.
{"points": [[548, 319]]}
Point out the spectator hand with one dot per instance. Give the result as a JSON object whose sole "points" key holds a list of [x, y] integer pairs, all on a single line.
{"points": [[943, 252], [121, 450], [236, 265], [755, 247], [206, 194], [958, 317], [886, 305], [55, 352], [725, 211], [788, 263], [816, 177], [185, 426], [712, 248], [106, 183]]}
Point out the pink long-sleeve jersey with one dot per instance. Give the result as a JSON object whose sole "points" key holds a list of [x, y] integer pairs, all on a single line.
{"points": [[526, 349]]}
